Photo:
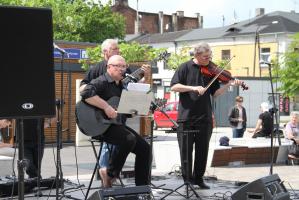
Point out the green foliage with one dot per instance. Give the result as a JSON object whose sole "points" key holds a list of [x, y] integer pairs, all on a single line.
{"points": [[80, 21], [94, 56], [132, 52], [223, 64], [176, 59], [135, 52], [289, 70]]}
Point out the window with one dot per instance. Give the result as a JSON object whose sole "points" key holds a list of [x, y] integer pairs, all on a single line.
{"points": [[169, 107], [265, 56], [225, 54]]}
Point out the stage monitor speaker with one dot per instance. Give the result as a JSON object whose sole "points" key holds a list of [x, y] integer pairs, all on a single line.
{"points": [[266, 188], [123, 193], [26, 63]]}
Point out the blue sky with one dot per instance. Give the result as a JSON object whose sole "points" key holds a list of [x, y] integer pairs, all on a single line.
{"points": [[214, 10]]}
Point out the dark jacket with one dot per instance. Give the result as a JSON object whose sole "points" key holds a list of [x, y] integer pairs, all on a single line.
{"points": [[234, 115]]}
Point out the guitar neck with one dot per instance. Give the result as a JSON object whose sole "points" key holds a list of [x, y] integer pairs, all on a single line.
{"points": [[138, 74]]}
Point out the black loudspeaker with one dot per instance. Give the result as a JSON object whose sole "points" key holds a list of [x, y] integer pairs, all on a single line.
{"points": [[123, 193], [266, 188], [26, 62]]}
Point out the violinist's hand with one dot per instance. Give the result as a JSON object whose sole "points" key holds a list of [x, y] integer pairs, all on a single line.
{"points": [[199, 89], [235, 82], [110, 112]]}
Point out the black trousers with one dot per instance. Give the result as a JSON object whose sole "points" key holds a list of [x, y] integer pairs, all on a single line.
{"points": [[188, 135], [128, 141], [31, 154]]}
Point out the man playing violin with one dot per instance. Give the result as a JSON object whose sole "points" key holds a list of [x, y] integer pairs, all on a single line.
{"points": [[195, 112], [97, 93]]}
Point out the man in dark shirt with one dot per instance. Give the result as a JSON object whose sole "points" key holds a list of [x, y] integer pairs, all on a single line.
{"points": [[195, 112], [109, 48], [264, 125], [97, 93]]}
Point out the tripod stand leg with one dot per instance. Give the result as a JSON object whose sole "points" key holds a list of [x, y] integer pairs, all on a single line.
{"points": [[94, 171]]}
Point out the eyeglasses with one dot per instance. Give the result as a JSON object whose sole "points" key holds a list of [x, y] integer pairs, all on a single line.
{"points": [[204, 56], [119, 66]]}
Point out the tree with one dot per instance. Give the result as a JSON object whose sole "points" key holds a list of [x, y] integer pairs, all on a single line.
{"points": [[79, 21], [288, 70], [132, 52], [180, 56]]}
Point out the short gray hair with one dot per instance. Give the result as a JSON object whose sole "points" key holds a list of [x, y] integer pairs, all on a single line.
{"points": [[265, 106], [202, 48], [295, 113], [107, 43]]}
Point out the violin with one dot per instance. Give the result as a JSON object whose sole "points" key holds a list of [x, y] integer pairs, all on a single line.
{"points": [[212, 70]]}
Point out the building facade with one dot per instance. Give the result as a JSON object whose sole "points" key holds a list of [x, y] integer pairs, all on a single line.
{"points": [[248, 43], [155, 22]]}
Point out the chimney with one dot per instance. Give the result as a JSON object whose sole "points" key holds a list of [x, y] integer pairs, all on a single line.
{"points": [[121, 2], [138, 23], [161, 30], [199, 20], [175, 22], [180, 13], [259, 12]]}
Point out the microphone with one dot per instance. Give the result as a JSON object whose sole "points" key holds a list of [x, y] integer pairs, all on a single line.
{"points": [[62, 51]]}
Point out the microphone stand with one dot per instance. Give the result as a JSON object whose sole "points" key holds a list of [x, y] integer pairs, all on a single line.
{"points": [[154, 107], [276, 120], [21, 162], [59, 105]]}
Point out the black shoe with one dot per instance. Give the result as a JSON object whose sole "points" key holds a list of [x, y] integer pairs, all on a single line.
{"points": [[201, 184]]}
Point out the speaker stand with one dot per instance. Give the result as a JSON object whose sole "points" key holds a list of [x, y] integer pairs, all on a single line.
{"points": [[21, 162]]}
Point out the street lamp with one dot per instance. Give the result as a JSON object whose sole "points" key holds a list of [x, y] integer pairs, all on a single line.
{"points": [[257, 44]]}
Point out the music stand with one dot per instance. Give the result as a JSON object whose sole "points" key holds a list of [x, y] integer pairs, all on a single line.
{"points": [[154, 107], [187, 181]]}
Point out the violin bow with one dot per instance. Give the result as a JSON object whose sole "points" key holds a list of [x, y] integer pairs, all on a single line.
{"points": [[215, 77]]}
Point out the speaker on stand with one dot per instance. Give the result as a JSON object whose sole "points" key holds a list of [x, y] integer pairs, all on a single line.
{"points": [[27, 70], [266, 188]]}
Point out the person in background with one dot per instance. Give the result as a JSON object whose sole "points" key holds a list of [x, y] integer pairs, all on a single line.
{"points": [[5, 148], [264, 125], [237, 118], [292, 127], [31, 131]]}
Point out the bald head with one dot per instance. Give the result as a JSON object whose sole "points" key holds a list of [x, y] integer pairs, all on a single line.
{"points": [[115, 59], [116, 67]]}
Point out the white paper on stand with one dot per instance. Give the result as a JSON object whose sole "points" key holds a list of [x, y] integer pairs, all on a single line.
{"points": [[137, 102], [142, 87]]}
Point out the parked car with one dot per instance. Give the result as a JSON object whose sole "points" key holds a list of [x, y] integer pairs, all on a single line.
{"points": [[161, 121]]}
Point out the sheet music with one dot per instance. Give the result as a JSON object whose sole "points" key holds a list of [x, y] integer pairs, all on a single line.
{"points": [[135, 101], [142, 87]]}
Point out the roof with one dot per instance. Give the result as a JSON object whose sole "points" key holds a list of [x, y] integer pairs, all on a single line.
{"points": [[159, 38], [287, 22]]}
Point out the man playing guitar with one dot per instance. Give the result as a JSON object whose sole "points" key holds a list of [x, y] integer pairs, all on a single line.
{"points": [[97, 93]]}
